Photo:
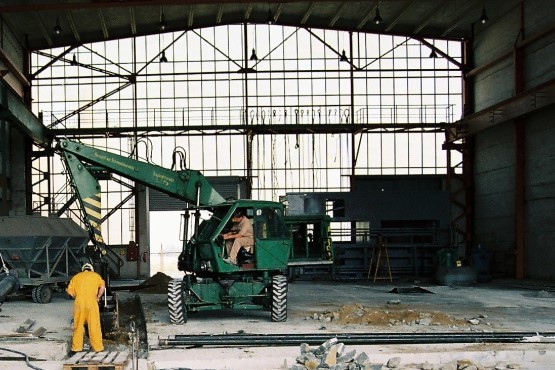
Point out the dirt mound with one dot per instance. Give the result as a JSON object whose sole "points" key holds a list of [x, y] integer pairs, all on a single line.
{"points": [[358, 314], [156, 284]]}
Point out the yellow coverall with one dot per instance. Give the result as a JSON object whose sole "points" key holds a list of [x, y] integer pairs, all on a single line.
{"points": [[85, 288]]}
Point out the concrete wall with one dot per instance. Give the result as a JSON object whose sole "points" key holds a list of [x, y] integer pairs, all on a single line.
{"points": [[540, 195], [496, 83], [494, 176], [494, 200]]}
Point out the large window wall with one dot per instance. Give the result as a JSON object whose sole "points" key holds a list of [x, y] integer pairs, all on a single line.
{"points": [[314, 107]]}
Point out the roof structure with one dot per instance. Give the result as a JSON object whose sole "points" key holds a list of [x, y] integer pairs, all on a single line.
{"points": [[41, 24]]}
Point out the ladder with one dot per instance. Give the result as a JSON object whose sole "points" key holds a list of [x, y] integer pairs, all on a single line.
{"points": [[380, 255]]}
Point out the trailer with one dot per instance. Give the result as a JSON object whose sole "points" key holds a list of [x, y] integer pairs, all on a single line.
{"points": [[43, 253]]}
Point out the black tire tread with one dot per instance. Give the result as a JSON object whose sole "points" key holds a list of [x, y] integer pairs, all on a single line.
{"points": [[176, 306], [279, 298]]}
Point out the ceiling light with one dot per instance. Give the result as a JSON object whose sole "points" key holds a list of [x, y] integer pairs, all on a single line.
{"points": [[484, 17], [74, 60], [163, 58], [253, 55], [343, 57], [378, 18], [433, 54], [162, 25], [57, 28], [270, 17]]}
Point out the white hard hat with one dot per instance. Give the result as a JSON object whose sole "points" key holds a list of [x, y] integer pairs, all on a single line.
{"points": [[87, 266]]}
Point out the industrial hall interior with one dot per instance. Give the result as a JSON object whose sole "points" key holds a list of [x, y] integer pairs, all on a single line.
{"points": [[279, 184]]}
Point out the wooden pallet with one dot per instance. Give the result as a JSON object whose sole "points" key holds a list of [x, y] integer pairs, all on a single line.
{"points": [[97, 361]]}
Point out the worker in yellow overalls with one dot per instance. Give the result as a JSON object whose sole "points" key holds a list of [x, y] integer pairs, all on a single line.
{"points": [[87, 287]]}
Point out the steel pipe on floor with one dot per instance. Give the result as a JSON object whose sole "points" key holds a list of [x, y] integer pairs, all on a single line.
{"points": [[349, 338]]}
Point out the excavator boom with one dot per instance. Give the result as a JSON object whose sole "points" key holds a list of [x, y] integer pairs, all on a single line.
{"points": [[188, 185]]}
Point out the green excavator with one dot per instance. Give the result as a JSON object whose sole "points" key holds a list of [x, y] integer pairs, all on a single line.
{"points": [[257, 281]]}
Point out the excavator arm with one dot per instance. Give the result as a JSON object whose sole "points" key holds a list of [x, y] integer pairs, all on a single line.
{"points": [[87, 190], [188, 185]]}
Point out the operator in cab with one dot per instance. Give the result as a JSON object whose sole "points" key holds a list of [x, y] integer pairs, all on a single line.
{"points": [[87, 287], [240, 236]]}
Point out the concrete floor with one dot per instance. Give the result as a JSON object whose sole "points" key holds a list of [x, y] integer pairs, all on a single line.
{"points": [[501, 305]]}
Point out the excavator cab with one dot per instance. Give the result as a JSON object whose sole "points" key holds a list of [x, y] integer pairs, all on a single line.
{"points": [[204, 252]]}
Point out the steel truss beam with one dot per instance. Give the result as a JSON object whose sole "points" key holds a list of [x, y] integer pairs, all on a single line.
{"points": [[254, 129]]}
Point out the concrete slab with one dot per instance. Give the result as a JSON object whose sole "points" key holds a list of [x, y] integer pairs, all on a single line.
{"points": [[497, 307]]}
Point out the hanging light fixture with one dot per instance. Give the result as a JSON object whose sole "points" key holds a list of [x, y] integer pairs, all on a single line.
{"points": [[163, 58], [433, 54], [484, 17], [270, 17], [74, 60], [377, 17], [162, 25], [343, 57], [253, 55], [57, 27]]}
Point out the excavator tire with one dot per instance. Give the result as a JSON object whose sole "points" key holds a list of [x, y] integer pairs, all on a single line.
{"points": [[176, 306], [279, 298]]}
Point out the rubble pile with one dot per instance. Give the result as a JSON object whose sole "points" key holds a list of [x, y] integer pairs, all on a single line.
{"points": [[390, 316], [332, 355]]}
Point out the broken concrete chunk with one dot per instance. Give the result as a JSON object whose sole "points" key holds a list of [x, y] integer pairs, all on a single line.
{"points": [[347, 357], [331, 357], [451, 365], [305, 357], [340, 348], [470, 367], [305, 348], [25, 326], [474, 321], [427, 366], [341, 367], [393, 362], [324, 347], [312, 364], [425, 321], [39, 332], [362, 359]]}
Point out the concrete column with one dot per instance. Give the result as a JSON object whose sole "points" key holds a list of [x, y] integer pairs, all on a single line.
{"points": [[142, 230], [17, 172]]}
